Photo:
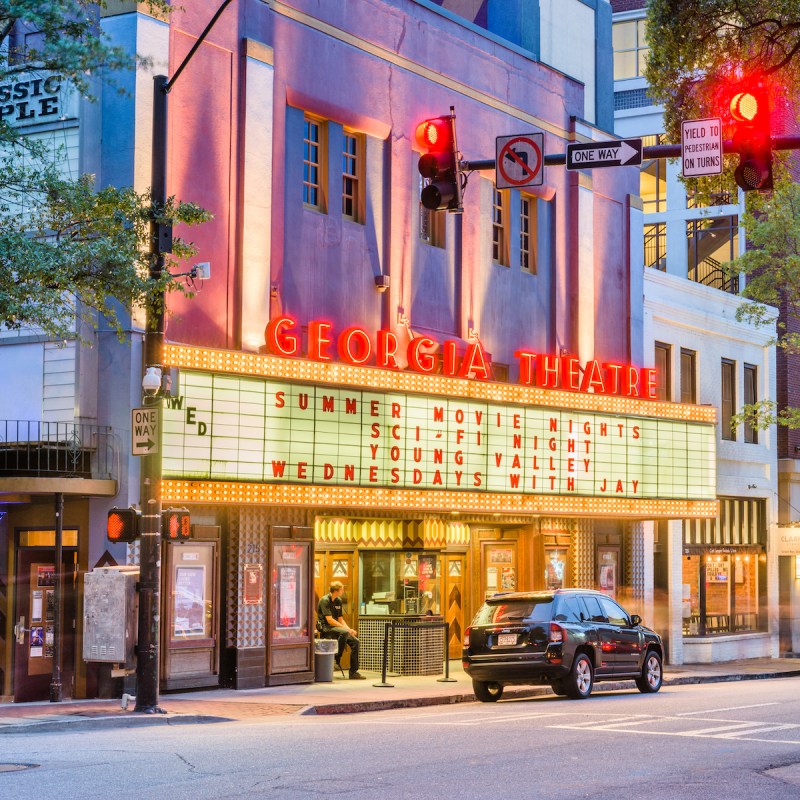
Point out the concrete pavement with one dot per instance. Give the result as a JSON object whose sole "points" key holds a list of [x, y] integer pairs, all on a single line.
{"points": [[342, 696]]}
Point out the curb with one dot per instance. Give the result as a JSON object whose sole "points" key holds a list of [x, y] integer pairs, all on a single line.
{"points": [[91, 723], [45, 725]]}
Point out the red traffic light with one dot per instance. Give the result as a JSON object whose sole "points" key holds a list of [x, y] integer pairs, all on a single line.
{"points": [[439, 164], [435, 134], [176, 524], [752, 138], [745, 106], [122, 525]]}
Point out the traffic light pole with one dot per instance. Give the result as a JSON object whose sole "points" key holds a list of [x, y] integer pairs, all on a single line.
{"points": [[147, 662], [652, 151]]}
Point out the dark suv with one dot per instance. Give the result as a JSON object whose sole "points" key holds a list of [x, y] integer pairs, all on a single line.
{"points": [[568, 638]]}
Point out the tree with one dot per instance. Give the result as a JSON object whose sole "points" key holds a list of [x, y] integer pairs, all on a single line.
{"points": [[698, 50], [699, 45], [67, 249], [771, 266]]}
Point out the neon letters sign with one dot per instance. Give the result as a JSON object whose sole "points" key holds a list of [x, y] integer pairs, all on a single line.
{"points": [[355, 346]]}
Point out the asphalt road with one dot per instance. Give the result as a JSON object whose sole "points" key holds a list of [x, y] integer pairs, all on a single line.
{"points": [[724, 740]]}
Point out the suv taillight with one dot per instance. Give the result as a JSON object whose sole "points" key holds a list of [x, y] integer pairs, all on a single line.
{"points": [[556, 633], [466, 638]]}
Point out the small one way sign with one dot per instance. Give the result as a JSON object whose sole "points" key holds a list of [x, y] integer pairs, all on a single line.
{"points": [[144, 431], [622, 153]]}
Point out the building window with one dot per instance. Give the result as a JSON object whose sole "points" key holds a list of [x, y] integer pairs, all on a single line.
{"points": [[431, 223], [528, 234], [352, 170], [725, 570], [688, 376], [712, 243], [655, 246], [728, 403], [653, 179], [313, 150], [750, 398], [500, 227], [663, 372], [630, 48]]}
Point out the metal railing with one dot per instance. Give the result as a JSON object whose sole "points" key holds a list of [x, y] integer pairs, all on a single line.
{"points": [[391, 627], [709, 272], [34, 449]]}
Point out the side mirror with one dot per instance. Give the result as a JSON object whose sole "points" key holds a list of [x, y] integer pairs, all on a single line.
{"points": [[635, 620]]}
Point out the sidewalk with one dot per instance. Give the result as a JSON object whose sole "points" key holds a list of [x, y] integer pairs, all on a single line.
{"points": [[342, 696]]}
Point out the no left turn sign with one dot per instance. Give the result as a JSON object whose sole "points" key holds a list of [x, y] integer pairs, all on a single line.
{"points": [[519, 161]]}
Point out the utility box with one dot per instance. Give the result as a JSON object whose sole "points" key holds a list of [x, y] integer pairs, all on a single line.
{"points": [[109, 614]]}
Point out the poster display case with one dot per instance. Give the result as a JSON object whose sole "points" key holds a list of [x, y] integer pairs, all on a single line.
{"points": [[290, 611], [190, 633]]}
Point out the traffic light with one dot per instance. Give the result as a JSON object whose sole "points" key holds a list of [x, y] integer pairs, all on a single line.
{"points": [[176, 524], [122, 525], [439, 163], [752, 137]]}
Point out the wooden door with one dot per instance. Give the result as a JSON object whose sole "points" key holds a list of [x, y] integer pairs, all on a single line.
{"points": [[455, 565], [34, 623], [338, 565]]}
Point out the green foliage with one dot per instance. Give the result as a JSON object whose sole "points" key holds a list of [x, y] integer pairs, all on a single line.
{"points": [[699, 49], [696, 46], [771, 267], [67, 249], [68, 39]]}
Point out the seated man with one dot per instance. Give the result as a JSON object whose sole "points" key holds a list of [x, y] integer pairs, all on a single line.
{"points": [[331, 624]]}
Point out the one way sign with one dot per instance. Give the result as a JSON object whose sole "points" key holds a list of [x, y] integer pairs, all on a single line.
{"points": [[144, 430], [626, 152]]}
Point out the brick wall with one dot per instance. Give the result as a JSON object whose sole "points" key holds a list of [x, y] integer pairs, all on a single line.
{"points": [[788, 389], [627, 5]]}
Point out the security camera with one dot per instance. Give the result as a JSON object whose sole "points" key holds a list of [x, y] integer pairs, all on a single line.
{"points": [[151, 382]]}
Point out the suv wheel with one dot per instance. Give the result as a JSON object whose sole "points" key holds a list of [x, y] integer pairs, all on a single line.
{"points": [[652, 673], [578, 684], [487, 691]]}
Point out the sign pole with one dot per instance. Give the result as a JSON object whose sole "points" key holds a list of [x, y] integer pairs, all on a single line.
{"points": [[147, 660]]}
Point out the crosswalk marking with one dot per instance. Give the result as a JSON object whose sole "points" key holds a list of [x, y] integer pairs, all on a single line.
{"points": [[729, 708]]}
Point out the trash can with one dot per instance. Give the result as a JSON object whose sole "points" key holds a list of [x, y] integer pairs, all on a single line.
{"points": [[324, 654]]}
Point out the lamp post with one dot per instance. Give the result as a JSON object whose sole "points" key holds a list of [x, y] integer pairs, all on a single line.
{"points": [[147, 662]]}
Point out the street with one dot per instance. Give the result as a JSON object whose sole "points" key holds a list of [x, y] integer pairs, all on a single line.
{"points": [[732, 740]]}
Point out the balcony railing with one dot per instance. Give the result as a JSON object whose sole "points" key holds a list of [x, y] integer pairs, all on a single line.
{"points": [[709, 272], [31, 449]]}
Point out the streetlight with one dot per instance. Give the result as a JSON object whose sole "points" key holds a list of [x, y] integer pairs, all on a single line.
{"points": [[147, 661]]}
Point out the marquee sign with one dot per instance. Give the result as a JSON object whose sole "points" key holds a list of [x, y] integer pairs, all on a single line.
{"points": [[31, 99], [226, 427]]}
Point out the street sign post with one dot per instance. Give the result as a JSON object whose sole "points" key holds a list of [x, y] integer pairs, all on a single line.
{"points": [[144, 431], [520, 161], [701, 147], [622, 153]]}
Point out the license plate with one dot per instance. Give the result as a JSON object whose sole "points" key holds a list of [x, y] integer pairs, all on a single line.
{"points": [[506, 639]]}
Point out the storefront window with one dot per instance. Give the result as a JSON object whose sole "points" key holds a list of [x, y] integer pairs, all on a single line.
{"points": [[720, 591], [400, 583]]}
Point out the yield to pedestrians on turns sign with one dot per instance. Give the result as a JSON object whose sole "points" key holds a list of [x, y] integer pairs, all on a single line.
{"points": [[144, 431], [701, 147], [520, 161]]}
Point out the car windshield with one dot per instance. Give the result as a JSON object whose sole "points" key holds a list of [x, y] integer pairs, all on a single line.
{"points": [[532, 609]]}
